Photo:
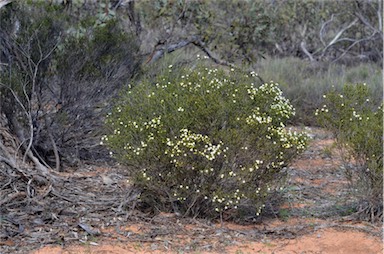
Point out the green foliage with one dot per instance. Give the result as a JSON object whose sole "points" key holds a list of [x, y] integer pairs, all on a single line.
{"points": [[357, 124], [92, 43], [284, 214], [96, 52], [78, 60], [204, 140], [317, 23], [28, 38], [235, 29], [304, 83], [243, 31]]}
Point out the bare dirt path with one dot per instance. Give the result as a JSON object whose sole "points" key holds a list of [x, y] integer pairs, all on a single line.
{"points": [[314, 219]]}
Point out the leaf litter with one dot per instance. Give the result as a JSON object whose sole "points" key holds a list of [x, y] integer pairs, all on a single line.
{"points": [[92, 210]]}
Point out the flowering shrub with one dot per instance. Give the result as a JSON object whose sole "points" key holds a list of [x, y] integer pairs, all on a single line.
{"points": [[358, 127], [202, 143]]}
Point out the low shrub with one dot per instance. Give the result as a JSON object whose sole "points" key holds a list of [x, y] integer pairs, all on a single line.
{"points": [[357, 124], [204, 142], [305, 84]]}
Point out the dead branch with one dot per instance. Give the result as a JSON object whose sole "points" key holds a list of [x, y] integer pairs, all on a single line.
{"points": [[380, 18], [8, 162], [304, 49], [20, 135], [34, 68], [197, 42], [12, 197], [353, 44], [336, 39], [322, 29], [369, 25], [162, 48], [4, 3]]}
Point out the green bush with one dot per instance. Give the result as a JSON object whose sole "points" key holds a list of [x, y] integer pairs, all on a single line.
{"points": [[201, 142], [357, 124], [305, 84]]}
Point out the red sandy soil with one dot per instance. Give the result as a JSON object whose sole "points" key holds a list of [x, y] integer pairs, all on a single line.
{"points": [[332, 241], [312, 174]]}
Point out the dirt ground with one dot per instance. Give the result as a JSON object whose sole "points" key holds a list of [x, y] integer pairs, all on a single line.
{"points": [[321, 241], [316, 218]]}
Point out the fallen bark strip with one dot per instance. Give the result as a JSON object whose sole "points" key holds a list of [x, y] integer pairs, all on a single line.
{"points": [[13, 196]]}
